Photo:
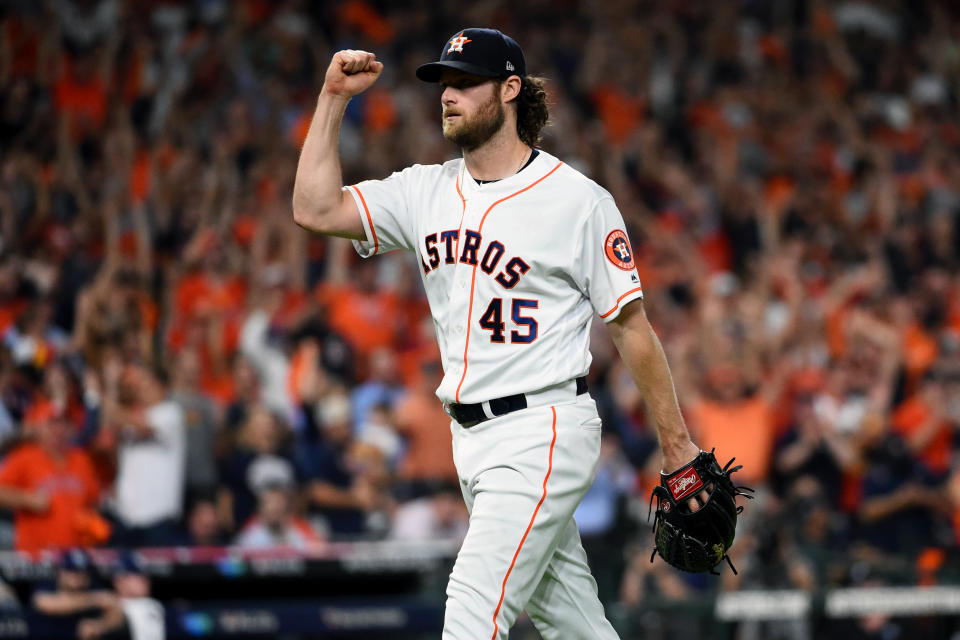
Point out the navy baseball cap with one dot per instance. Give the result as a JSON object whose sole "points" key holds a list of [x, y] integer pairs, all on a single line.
{"points": [[74, 559], [481, 52], [127, 562]]}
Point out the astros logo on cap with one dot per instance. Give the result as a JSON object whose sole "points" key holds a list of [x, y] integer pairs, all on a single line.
{"points": [[617, 248], [457, 42]]}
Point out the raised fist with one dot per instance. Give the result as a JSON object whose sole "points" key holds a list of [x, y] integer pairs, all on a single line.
{"points": [[351, 72]]}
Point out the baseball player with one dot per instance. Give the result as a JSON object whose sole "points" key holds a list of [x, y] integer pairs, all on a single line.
{"points": [[517, 251]]}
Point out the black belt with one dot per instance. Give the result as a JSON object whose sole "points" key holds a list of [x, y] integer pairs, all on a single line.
{"points": [[469, 415]]}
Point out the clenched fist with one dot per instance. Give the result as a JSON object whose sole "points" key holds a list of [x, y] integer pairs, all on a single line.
{"points": [[351, 72]]}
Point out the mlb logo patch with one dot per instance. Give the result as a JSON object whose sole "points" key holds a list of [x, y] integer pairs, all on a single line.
{"points": [[684, 484]]}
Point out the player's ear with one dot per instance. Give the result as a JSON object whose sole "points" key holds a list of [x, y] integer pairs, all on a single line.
{"points": [[510, 88]]}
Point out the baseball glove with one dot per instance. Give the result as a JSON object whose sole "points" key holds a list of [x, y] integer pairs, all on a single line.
{"points": [[698, 540]]}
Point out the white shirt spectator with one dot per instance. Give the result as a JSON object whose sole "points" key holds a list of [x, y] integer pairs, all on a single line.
{"points": [[151, 474], [145, 618], [271, 363]]}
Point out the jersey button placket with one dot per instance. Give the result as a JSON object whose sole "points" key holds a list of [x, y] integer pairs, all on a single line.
{"points": [[463, 278]]}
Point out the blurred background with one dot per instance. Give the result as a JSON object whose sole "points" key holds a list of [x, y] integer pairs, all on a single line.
{"points": [[186, 374]]}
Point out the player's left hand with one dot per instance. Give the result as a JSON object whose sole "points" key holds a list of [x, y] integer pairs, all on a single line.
{"points": [[697, 539], [676, 457]]}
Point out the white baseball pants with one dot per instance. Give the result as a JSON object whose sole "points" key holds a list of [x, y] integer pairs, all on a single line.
{"points": [[522, 476]]}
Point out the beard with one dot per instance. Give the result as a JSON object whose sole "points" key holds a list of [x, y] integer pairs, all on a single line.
{"points": [[472, 133]]}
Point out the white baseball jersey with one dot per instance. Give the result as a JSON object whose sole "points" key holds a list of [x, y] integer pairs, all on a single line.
{"points": [[513, 270]]}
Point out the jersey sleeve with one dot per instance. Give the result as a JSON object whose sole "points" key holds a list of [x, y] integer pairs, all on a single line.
{"points": [[605, 267], [386, 213]]}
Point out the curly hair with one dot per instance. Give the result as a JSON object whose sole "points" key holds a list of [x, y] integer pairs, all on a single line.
{"points": [[532, 113]]}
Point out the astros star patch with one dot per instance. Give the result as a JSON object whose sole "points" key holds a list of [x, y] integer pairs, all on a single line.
{"points": [[457, 42], [617, 249]]}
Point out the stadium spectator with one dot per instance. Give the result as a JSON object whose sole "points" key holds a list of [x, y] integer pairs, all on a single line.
{"points": [[276, 525], [425, 426], [600, 516], [203, 526], [51, 486], [438, 515], [201, 421], [734, 420], [152, 444], [345, 479], [382, 387], [813, 448], [902, 502], [127, 610], [74, 593], [922, 422], [357, 303], [259, 460], [246, 394], [379, 431], [73, 575]]}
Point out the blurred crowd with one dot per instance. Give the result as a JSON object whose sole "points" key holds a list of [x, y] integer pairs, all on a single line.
{"points": [[181, 364]]}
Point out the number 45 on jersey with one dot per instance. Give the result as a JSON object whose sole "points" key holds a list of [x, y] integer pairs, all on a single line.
{"points": [[492, 321]]}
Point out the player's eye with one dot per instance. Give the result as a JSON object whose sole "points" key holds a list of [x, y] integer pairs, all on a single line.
{"points": [[461, 83]]}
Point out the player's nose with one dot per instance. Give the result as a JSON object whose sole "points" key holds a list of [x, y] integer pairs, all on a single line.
{"points": [[448, 97]]}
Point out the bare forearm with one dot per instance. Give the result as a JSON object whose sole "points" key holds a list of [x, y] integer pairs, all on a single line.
{"points": [[652, 375], [643, 355], [795, 455], [319, 203], [64, 603], [13, 498], [840, 449], [879, 508], [133, 422], [318, 186], [327, 495], [111, 620]]}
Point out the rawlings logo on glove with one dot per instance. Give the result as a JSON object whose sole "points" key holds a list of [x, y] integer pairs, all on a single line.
{"points": [[697, 540], [683, 485]]}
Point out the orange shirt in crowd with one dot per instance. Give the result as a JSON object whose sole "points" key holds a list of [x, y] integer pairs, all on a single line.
{"points": [[920, 351], [199, 293], [911, 416], [620, 112], [422, 420], [10, 312], [366, 320], [71, 486], [744, 429], [85, 101]]}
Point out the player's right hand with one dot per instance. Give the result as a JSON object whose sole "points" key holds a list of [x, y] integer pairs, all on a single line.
{"points": [[351, 72]]}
